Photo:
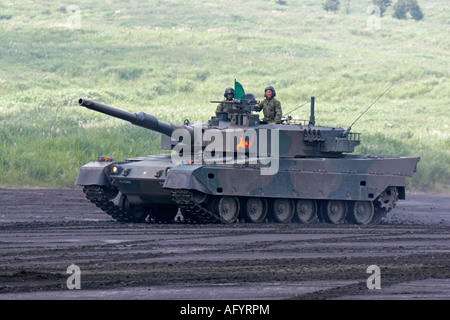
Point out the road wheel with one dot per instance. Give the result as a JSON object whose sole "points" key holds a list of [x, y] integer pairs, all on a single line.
{"points": [[306, 210], [255, 210], [335, 211], [227, 208], [283, 210], [361, 212]]}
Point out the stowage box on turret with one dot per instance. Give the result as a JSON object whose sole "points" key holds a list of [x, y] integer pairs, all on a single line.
{"points": [[234, 167]]}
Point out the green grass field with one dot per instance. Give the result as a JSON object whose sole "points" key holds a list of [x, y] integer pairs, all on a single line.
{"points": [[170, 58]]}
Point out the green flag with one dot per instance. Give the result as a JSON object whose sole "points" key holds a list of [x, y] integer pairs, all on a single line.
{"points": [[239, 92]]}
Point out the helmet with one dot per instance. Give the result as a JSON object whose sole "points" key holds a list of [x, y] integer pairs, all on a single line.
{"points": [[227, 91], [270, 88]]}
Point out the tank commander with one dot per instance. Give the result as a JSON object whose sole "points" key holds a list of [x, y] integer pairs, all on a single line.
{"points": [[271, 107], [229, 96]]}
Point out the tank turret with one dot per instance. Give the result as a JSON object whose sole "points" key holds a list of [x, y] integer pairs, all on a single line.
{"points": [[302, 139], [294, 140]]}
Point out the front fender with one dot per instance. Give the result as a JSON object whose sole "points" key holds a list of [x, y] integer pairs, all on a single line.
{"points": [[182, 177], [94, 173]]}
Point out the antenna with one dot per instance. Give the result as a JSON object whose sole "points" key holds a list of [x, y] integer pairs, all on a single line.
{"points": [[312, 118], [350, 127], [299, 106]]}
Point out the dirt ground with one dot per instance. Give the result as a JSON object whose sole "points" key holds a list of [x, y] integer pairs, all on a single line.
{"points": [[43, 232]]}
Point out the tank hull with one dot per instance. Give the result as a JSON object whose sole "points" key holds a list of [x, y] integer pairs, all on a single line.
{"points": [[143, 183], [352, 177], [154, 184]]}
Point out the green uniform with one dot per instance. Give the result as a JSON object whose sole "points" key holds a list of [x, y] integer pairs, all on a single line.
{"points": [[222, 107], [272, 110]]}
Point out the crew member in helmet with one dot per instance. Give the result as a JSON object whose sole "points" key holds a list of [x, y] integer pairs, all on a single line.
{"points": [[229, 95], [271, 107]]}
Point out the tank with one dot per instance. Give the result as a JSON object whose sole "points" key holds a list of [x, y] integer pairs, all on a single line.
{"points": [[237, 168]]}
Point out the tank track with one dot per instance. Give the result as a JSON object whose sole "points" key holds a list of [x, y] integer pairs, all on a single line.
{"points": [[195, 212], [192, 211], [101, 197]]}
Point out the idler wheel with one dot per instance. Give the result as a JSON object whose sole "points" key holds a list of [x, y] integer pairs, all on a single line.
{"points": [[227, 208], [306, 210], [110, 193], [198, 197], [283, 210], [133, 213], [362, 212], [335, 211], [256, 209]]}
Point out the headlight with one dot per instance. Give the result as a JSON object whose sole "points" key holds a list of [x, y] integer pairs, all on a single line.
{"points": [[115, 169]]}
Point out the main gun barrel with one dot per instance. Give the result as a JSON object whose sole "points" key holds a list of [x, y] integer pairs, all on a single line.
{"points": [[141, 119]]}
